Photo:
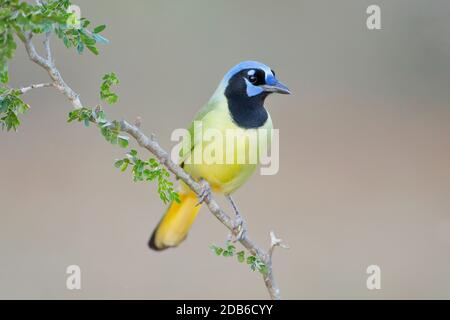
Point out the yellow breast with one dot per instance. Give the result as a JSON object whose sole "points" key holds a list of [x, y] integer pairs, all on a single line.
{"points": [[226, 155]]}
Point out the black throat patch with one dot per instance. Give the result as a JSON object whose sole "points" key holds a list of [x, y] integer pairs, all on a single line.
{"points": [[247, 112]]}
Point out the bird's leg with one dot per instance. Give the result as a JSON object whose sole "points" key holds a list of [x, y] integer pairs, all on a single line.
{"points": [[239, 223], [206, 192]]}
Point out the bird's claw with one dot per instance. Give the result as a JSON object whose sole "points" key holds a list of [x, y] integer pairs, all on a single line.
{"points": [[238, 230], [206, 193]]}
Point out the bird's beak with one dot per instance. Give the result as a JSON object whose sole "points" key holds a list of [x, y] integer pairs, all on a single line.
{"points": [[277, 87]]}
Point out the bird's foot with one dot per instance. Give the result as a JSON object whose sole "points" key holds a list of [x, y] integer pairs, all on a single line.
{"points": [[238, 230], [239, 225], [206, 192]]}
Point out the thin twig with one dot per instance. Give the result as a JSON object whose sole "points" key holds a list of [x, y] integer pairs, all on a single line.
{"points": [[35, 86]]}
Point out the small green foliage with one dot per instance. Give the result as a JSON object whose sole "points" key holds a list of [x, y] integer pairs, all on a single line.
{"points": [[217, 250], [106, 94], [21, 17], [253, 261], [11, 106], [122, 141], [84, 115], [149, 170], [229, 250], [7, 49], [75, 33], [122, 164], [80, 37], [99, 28], [240, 256], [256, 264], [110, 131]]}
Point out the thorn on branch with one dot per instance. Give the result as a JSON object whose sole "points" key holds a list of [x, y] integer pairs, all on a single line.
{"points": [[138, 122], [275, 242]]}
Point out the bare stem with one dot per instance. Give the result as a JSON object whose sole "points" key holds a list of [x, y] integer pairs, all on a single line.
{"points": [[47, 48], [35, 86]]}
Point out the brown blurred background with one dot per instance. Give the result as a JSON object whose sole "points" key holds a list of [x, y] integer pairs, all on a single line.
{"points": [[365, 153]]}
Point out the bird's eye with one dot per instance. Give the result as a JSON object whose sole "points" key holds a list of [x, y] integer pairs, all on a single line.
{"points": [[253, 79]]}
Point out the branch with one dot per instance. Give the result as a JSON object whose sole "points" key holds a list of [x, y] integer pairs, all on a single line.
{"points": [[35, 86], [47, 47], [51, 70], [164, 158]]}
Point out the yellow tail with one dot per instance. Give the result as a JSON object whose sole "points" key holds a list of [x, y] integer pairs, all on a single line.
{"points": [[176, 222]]}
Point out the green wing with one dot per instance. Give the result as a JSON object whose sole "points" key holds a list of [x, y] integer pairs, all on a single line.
{"points": [[207, 108]]}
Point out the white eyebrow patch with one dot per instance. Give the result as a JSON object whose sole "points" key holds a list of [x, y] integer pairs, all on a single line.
{"points": [[251, 72]]}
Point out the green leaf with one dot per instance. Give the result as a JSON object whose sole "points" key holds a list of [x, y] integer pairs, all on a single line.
{"points": [[175, 197], [241, 256], [4, 78], [217, 250], [118, 163], [7, 46], [123, 141], [251, 259], [133, 153], [254, 262], [11, 106], [110, 98], [142, 170], [84, 115], [106, 94], [80, 47], [72, 20], [263, 269], [93, 49], [147, 171], [99, 28], [231, 248], [66, 42], [124, 165], [86, 39]]}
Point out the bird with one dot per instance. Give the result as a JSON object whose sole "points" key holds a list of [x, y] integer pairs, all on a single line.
{"points": [[236, 104]]}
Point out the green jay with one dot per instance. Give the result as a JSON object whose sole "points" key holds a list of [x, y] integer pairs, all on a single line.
{"points": [[237, 104]]}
